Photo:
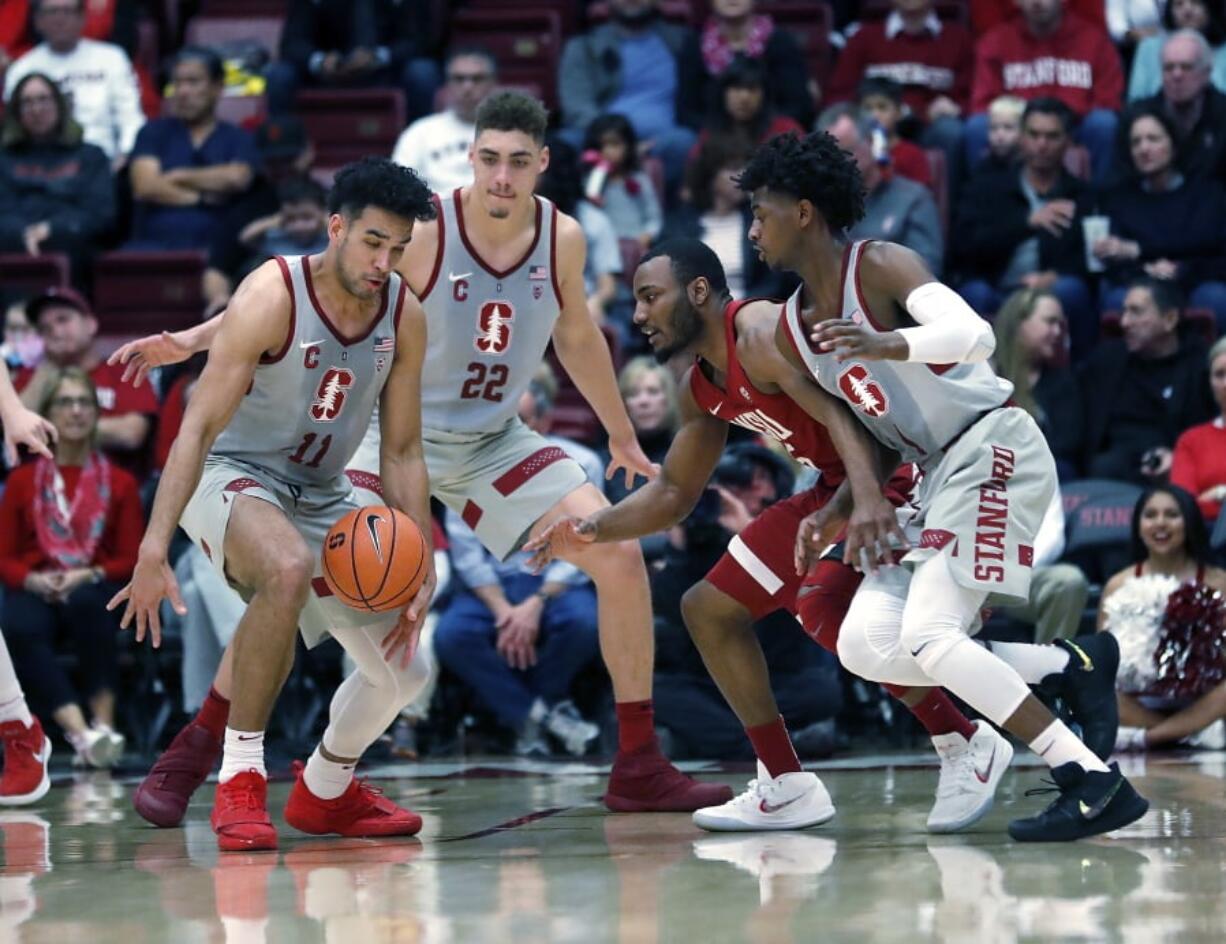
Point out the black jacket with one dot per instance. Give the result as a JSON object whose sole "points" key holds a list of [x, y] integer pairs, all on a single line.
{"points": [[1202, 152], [993, 220], [69, 186]]}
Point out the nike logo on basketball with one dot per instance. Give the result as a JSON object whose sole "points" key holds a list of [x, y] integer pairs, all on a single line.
{"points": [[452, 277], [1093, 811], [985, 774], [767, 808], [372, 525], [303, 345]]}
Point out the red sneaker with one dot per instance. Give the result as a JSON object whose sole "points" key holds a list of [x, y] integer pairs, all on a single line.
{"points": [[163, 795], [644, 781], [240, 814], [362, 810], [26, 752]]}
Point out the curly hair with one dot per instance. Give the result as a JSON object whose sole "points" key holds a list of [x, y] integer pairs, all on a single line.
{"points": [[382, 183], [812, 168]]}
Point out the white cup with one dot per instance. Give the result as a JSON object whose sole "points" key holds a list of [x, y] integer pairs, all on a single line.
{"points": [[1094, 228]]}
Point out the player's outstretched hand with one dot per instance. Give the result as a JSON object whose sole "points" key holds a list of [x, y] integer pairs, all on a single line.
{"points": [[849, 340], [628, 455], [565, 534], [142, 355], [152, 581], [402, 640], [27, 428], [816, 533], [873, 534]]}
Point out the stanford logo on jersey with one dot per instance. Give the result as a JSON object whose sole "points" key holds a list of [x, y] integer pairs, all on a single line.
{"points": [[330, 394], [862, 392], [494, 327]]}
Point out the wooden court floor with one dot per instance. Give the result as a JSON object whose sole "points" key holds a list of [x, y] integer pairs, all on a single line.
{"points": [[516, 851]]}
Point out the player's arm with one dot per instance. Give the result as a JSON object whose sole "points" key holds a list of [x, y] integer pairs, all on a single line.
{"points": [[402, 464], [583, 352], [938, 326], [263, 310], [169, 347], [22, 426]]}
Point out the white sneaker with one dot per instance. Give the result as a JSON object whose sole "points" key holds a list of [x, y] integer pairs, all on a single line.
{"points": [[970, 772], [566, 724], [95, 748], [1129, 740], [789, 801]]}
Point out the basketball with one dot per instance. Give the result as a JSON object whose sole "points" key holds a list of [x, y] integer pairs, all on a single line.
{"points": [[374, 559]]}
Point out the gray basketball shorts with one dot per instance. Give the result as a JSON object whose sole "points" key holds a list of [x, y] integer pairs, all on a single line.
{"points": [[500, 483], [312, 511], [984, 502]]}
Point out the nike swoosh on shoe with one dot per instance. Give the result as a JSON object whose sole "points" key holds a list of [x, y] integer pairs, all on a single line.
{"points": [[1089, 811], [768, 809]]}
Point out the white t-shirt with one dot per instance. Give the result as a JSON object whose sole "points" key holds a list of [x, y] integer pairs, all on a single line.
{"points": [[99, 79], [725, 236], [436, 146]]}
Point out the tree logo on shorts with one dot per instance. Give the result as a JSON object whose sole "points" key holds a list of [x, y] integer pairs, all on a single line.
{"points": [[862, 392], [494, 327], [330, 394]]}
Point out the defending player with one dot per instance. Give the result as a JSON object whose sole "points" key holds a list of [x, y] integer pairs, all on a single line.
{"points": [[499, 276], [256, 478], [909, 356]]}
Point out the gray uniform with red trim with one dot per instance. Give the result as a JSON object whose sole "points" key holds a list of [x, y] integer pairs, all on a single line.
{"points": [[988, 473], [295, 432], [488, 331]]}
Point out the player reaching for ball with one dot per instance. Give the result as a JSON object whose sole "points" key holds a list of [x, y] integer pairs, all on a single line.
{"points": [[257, 478]]}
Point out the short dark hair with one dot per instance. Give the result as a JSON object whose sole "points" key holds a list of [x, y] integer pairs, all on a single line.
{"points": [[382, 183], [742, 72], [301, 190], [718, 151], [619, 125], [691, 259], [879, 85], [1049, 106], [812, 168], [1158, 114], [513, 111], [474, 50], [1164, 292], [1215, 29], [1195, 533], [207, 57]]}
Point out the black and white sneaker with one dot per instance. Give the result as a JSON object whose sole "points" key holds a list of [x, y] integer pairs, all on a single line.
{"points": [[1090, 803], [1087, 686]]}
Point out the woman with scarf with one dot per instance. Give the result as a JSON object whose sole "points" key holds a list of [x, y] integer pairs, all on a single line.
{"points": [[1168, 613], [70, 528]]}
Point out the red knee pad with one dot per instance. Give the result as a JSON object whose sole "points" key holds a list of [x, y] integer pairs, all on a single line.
{"points": [[823, 600]]}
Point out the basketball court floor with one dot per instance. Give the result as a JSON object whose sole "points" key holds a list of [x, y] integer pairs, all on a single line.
{"points": [[514, 851]]}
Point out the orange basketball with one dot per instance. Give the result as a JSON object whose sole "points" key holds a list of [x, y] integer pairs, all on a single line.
{"points": [[374, 559]]}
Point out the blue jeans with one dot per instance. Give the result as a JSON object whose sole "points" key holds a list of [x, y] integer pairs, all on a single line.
{"points": [[1074, 297], [465, 638], [1096, 133]]}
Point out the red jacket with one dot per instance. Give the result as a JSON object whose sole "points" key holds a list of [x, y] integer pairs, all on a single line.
{"points": [[20, 553], [1077, 64], [926, 65]]}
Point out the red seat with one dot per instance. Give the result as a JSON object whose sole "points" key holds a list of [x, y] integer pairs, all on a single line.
{"points": [[29, 275], [569, 12], [1198, 322], [142, 292], [526, 43], [348, 124], [572, 416]]}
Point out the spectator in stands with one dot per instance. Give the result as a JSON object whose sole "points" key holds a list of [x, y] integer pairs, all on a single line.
{"points": [[69, 533], [114, 21], [1021, 227], [299, 228], [931, 60], [1004, 134], [68, 327], [1030, 340], [895, 208], [1195, 109], [355, 43], [649, 392], [734, 30], [56, 190], [1199, 463], [1170, 552], [717, 212], [740, 108], [1140, 393], [1050, 52], [1164, 224], [22, 346], [437, 145], [97, 77], [640, 66], [1201, 16], [881, 100], [617, 183]]}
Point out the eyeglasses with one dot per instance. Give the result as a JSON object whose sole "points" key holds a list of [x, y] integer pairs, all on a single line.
{"points": [[67, 403], [473, 78]]}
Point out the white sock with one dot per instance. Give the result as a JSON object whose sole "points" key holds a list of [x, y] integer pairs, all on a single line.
{"points": [[1032, 663], [244, 750], [16, 709], [325, 778], [12, 702], [1058, 745]]}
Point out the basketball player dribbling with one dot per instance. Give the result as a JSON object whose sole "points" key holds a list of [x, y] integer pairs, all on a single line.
{"points": [[256, 479], [908, 355], [499, 276]]}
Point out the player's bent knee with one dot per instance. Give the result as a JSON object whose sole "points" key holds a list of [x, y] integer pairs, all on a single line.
{"points": [[614, 562], [928, 641], [855, 653], [288, 574]]}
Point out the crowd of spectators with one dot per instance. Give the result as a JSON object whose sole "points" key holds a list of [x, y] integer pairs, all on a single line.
{"points": [[1062, 163]]}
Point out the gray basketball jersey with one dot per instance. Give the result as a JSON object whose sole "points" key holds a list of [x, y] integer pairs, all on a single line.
{"points": [[914, 408], [488, 330], [310, 403]]}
